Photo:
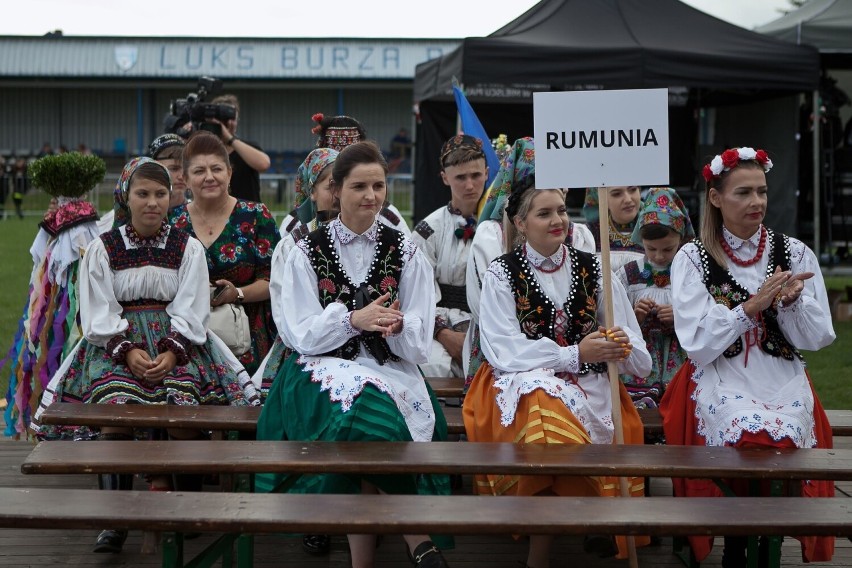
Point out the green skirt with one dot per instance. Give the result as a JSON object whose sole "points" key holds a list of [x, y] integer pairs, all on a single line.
{"points": [[296, 409]]}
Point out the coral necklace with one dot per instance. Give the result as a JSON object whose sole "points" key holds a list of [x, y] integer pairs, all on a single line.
{"points": [[760, 248]]}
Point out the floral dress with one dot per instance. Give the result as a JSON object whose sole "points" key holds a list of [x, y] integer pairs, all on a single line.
{"points": [[152, 297], [242, 254], [642, 280]]}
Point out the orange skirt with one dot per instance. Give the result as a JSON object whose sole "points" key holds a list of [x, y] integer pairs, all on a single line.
{"points": [[542, 419], [677, 409]]}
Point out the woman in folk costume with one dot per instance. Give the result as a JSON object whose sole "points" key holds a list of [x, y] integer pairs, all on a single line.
{"points": [[144, 299], [746, 299], [338, 132], [662, 227], [516, 165], [49, 327], [358, 319], [624, 204], [544, 377]]}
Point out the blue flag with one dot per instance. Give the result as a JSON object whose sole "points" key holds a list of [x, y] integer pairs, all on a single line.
{"points": [[472, 127]]}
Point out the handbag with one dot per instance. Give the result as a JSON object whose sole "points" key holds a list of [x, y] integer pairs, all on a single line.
{"points": [[230, 323]]}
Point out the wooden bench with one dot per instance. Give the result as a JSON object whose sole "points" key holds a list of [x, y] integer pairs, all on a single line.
{"points": [[457, 514], [473, 514], [244, 419]]}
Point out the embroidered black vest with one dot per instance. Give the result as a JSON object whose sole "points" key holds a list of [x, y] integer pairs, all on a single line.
{"points": [[536, 313], [726, 290], [122, 258], [335, 285]]}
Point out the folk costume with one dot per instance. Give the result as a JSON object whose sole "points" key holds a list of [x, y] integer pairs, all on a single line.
{"points": [[515, 167], [445, 237], [643, 279], [242, 254], [341, 383], [622, 247], [148, 293], [745, 382], [532, 388], [49, 326]]}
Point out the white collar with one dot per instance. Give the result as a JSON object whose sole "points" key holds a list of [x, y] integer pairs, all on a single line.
{"points": [[735, 242], [537, 259], [346, 235]]}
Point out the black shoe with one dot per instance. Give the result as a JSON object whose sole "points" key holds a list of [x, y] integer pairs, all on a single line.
{"points": [[316, 544], [734, 553], [110, 541], [427, 555], [601, 544]]}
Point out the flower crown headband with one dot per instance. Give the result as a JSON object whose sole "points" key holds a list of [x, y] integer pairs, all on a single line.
{"points": [[730, 159]]}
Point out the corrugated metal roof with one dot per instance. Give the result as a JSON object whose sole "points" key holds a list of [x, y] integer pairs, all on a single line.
{"points": [[163, 58]]}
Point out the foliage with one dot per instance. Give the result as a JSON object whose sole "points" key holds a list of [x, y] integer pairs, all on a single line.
{"points": [[71, 174]]}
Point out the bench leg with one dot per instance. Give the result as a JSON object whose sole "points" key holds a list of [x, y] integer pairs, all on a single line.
{"points": [[245, 551], [172, 550]]}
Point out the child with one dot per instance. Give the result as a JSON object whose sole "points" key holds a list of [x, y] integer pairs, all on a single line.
{"points": [[624, 204], [662, 226]]}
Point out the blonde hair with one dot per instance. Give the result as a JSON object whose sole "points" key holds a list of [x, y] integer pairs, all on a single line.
{"points": [[711, 221], [511, 236]]}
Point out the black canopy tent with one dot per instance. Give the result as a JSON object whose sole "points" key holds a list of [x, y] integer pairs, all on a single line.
{"points": [[562, 45]]}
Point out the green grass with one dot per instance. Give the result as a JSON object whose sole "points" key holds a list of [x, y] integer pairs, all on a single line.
{"points": [[830, 368]]}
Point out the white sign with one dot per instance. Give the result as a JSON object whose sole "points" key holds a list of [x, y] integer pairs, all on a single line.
{"points": [[601, 138]]}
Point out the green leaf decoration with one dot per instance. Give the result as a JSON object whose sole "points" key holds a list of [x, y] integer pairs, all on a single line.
{"points": [[70, 175]]}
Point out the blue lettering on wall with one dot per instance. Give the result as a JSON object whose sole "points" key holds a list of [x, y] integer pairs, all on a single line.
{"points": [[311, 63], [217, 57], [367, 52], [289, 57], [390, 55], [339, 54], [433, 52], [245, 57], [199, 54]]}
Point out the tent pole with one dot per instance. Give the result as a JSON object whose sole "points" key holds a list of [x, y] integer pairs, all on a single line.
{"points": [[612, 368], [817, 170]]}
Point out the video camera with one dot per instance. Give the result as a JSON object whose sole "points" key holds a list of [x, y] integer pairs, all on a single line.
{"points": [[191, 113]]}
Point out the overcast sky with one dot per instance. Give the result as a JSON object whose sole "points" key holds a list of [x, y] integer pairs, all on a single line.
{"points": [[291, 18]]}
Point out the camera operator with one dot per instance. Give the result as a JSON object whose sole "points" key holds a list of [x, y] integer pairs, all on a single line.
{"points": [[247, 158]]}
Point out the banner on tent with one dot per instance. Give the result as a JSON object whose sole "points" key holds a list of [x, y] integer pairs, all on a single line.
{"points": [[601, 138]]}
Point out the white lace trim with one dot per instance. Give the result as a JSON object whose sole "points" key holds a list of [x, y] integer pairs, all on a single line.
{"points": [[346, 235], [722, 419], [512, 386], [745, 322], [344, 380], [735, 242], [409, 249]]}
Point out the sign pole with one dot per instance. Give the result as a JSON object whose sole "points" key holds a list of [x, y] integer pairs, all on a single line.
{"points": [[612, 368]]}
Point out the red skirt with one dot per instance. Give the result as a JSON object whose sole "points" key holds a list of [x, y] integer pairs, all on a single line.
{"points": [[680, 426]]}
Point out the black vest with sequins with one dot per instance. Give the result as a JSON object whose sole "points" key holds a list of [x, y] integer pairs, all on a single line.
{"points": [[536, 313], [335, 286], [726, 290]]}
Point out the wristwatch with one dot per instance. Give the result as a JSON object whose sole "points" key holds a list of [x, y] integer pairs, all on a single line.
{"points": [[231, 140], [240, 296]]}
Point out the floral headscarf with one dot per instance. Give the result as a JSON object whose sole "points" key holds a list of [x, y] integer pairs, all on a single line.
{"points": [[663, 206], [306, 176], [515, 168], [122, 187]]}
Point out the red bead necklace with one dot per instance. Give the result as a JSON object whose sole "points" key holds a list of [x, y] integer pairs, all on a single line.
{"points": [[760, 248], [558, 266]]}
